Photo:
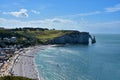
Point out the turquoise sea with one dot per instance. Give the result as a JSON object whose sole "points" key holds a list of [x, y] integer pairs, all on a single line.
{"points": [[99, 61]]}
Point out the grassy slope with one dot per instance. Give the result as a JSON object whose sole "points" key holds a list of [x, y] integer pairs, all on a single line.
{"points": [[44, 35]]}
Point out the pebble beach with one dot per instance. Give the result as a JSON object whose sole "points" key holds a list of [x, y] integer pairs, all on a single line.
{"points": [[23, 64]]}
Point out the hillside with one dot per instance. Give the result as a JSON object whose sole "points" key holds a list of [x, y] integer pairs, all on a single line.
{"points": [[36, 36], [31, 36], [43, 36]]}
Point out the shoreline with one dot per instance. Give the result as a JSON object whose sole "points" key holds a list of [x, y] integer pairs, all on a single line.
{"points": [[23, 63], [35, 65]]}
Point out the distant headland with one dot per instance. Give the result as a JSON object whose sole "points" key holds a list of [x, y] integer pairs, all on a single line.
{"points": [[28, 36]]}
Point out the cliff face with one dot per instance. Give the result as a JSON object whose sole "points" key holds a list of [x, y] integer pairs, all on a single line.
{"points": [[72, 38]]}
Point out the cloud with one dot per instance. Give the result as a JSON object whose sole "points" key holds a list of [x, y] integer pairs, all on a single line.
{"points": [[21, 13], [113, 9], [88, 14], [84, 14], [63, 24], [58, 20], [35, 12], [57, 23], [81, 14], [103, 27]]}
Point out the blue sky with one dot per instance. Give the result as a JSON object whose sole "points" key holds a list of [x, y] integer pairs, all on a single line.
{"points": [[95, 16]]}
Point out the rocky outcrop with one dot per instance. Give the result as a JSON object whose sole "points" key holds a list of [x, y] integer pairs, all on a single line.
{"points": [[75, 37], [93, 39]]}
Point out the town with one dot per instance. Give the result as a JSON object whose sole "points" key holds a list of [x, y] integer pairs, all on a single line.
{"points": [[8, 49]]}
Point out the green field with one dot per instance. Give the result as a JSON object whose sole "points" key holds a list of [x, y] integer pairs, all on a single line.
{"points": [[44, 35], [32, 36]]}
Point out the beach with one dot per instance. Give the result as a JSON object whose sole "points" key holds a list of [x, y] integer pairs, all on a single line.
{"points": [[23, 64]]}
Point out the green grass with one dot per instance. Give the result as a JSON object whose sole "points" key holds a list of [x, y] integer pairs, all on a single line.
{"points": [[44, 35], [33, 37], [14, 78]]}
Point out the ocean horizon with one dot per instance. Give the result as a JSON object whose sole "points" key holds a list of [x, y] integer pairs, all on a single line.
{"points": [[99, 61]]}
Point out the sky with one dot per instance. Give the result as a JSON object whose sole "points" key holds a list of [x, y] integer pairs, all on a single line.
{"points": [[94, 16]]}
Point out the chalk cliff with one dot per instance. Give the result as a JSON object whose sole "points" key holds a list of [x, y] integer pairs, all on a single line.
{"points": [[75, 37]]}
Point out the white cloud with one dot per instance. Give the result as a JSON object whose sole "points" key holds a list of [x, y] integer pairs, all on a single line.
{"points": [[60, 23], [82, 14], [79, 15], [57, 23], [113, 9], [89, 13], [35, 12], [58, 20], [21, 13], [103, 27]]}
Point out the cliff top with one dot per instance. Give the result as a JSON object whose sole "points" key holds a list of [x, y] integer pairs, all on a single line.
{"points": [[33, 36]]}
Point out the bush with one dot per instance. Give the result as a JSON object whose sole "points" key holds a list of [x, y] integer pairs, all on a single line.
{"points": [[14, 78]]}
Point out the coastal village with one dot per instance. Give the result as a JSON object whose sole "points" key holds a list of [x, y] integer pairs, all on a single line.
{"points": [[7, 51], [14, 59]]}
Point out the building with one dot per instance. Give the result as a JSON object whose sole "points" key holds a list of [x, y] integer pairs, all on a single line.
{"points": [[2, 56], [13, 39], [6, 40]]}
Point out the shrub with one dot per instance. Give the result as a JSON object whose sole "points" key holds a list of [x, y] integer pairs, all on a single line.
{"points": [[14, 78]]}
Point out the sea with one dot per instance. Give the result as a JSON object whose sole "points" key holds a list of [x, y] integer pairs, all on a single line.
{"points": [[99, 61]]}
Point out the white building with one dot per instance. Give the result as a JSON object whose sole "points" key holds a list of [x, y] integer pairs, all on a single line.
{"points": [[13, 39], [6, 39], [2, 56]]}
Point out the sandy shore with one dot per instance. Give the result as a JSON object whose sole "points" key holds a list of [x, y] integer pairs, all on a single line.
{"points": [[23, 63]]}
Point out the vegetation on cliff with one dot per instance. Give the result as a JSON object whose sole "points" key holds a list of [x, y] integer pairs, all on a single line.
{"points": [[14, 78], [31, 36]]}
